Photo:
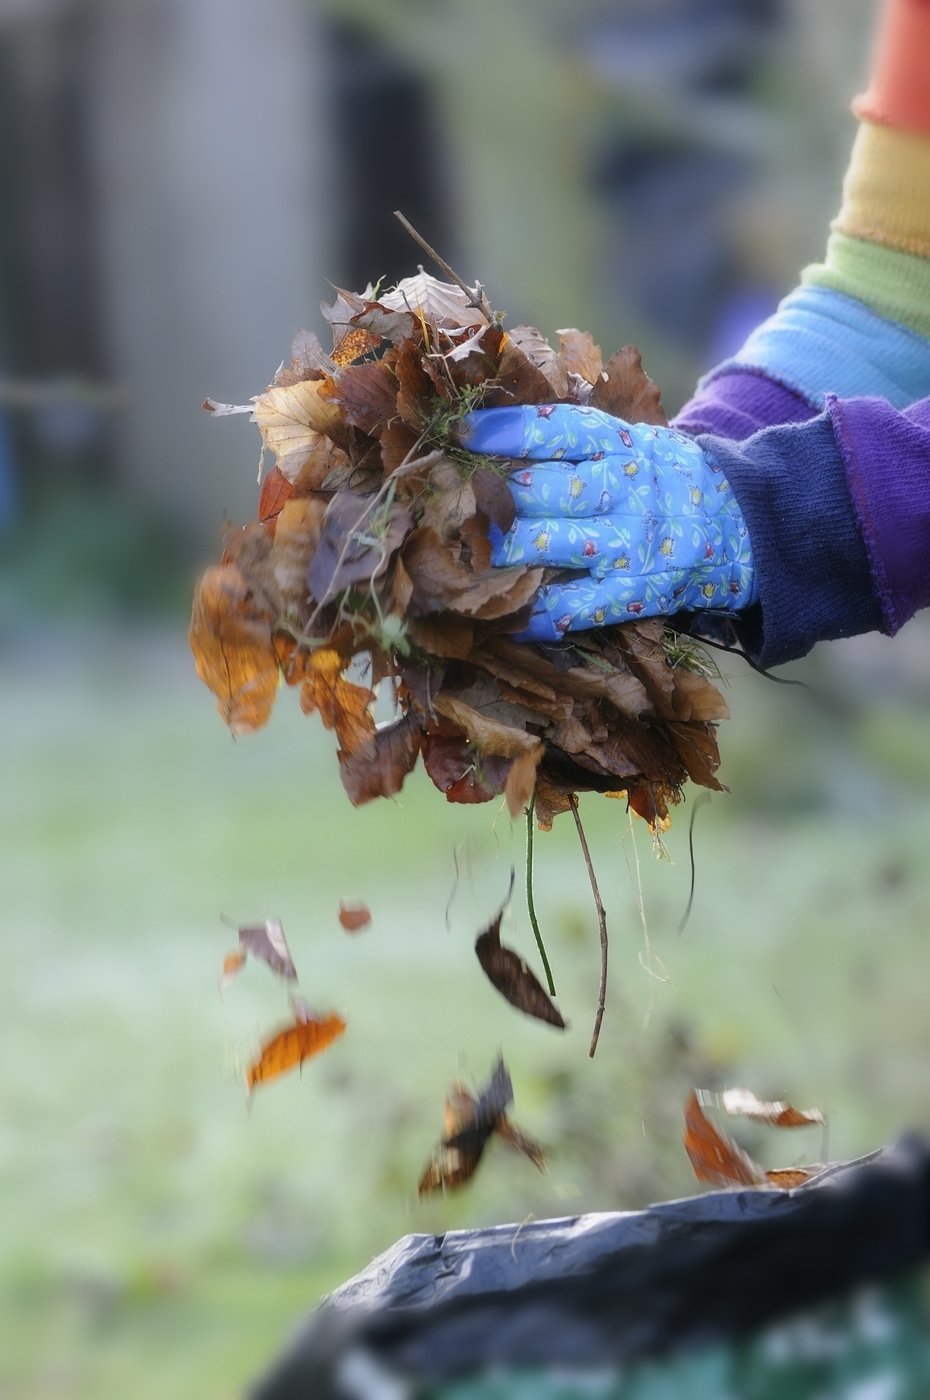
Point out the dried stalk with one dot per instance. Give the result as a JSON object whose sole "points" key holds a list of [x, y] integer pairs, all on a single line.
{"points": [[601, 923], [477, 296], [530, 900]]}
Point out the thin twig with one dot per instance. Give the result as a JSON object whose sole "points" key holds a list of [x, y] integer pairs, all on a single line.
{"points": [[530, 901], [477, 296], [601, 923]]}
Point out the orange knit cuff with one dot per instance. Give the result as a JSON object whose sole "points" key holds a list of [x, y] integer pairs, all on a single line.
{"points": [[899, 92]]}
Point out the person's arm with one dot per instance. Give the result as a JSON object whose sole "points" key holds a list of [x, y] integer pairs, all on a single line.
{"points": [[859, 323], [838, 515]]}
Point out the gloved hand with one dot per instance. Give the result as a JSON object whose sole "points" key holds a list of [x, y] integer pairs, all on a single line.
{"points": [[642, 511]]}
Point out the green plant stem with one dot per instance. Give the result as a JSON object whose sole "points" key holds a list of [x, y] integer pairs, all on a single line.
{"points": [[530, 902]]}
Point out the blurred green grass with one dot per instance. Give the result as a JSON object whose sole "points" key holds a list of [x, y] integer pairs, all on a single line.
{"points": [[157, 1237]]}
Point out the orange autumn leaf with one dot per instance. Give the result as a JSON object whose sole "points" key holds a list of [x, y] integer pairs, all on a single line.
{"points": [[342, 705], [230, 637], [716, 1158], [309, 1035], [232, 963]]}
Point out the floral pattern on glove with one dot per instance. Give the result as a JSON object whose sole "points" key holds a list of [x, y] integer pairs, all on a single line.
{"points": [[642, 512]]}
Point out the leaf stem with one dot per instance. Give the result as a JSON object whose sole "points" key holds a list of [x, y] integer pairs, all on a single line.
{"points": [[530, 901], [601, 923]]}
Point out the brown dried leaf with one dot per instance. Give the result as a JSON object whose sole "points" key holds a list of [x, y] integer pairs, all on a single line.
{"points": [[354, 915], [540, 352], [291, 418], [267, 942], [459, 771], [493, 498], [626, 390], [521, 1143], [309, 1035], [275, 493], [510, 975], [379, 766], [444, 635], [468, 1125], [742, 1103], [716, 1159], [488, 733], [580, 355], [695, 700], [357, 542], [368, 395], [308, 361], [230, 637], [297, 534], [521, 780], [518, 381]]}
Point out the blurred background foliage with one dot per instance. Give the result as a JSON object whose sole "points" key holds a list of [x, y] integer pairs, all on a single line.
{"points": [[180, 180]]}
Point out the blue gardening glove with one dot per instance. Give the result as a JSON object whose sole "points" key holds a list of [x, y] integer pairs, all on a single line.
{"points": [[642, 510]]}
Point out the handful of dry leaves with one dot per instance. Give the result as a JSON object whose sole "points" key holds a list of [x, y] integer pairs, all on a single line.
{"points": [[369, 567]]}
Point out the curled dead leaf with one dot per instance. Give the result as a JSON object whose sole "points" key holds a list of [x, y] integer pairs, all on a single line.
{"points": [[510, 975]]}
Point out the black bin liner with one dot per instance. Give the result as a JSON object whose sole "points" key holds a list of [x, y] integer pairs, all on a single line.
{"points": [[604, 1290]]}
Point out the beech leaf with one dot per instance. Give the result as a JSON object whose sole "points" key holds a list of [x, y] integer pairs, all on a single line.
{"points": [[716, 1158], [267, 942], [287, 1049], [510, 975], [230, 637]]}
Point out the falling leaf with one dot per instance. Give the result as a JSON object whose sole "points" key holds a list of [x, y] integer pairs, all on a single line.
{"points": [[267, 942], [354, 915], [232, 963], [744, 1104], [230, 637], [625, 389], [309, 1035], [468, 1124], [716, 1158], [507, 971]]}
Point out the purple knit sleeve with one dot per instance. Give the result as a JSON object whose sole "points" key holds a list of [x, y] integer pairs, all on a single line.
{"points": [[887, 460], [838, 513], [736, 403]]}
